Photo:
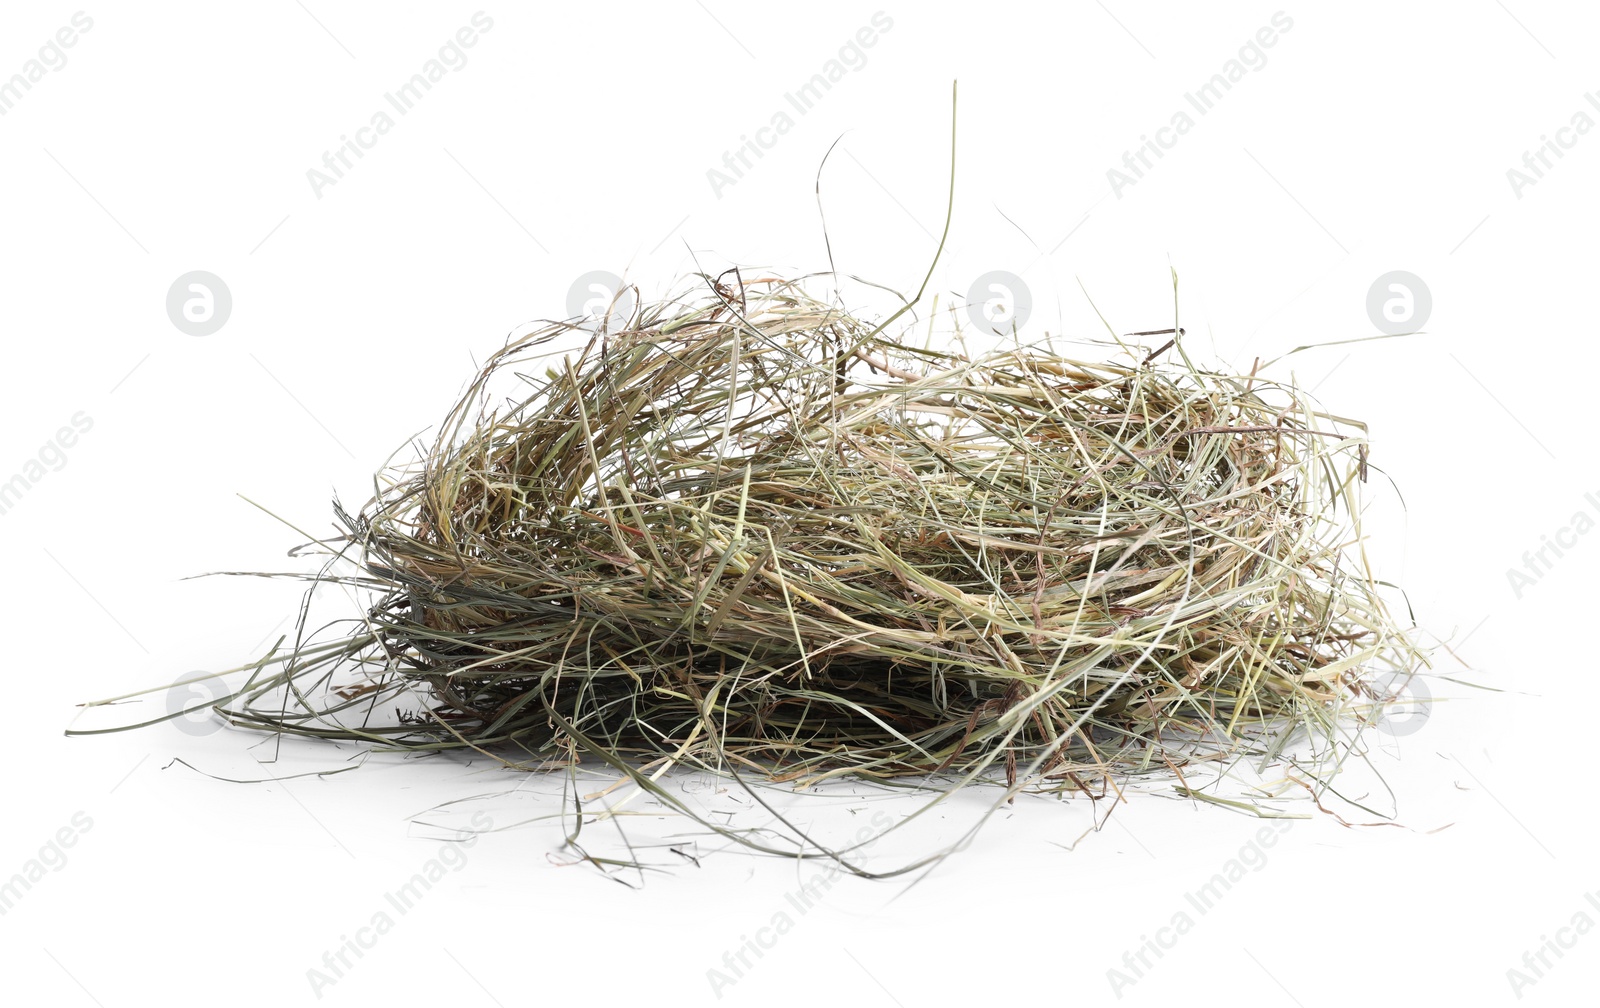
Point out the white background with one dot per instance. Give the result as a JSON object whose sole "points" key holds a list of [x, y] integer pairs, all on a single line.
{"points": [[578, 137]]}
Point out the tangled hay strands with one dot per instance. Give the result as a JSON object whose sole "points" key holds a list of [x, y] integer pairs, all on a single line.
{"points": [[749, 532]]}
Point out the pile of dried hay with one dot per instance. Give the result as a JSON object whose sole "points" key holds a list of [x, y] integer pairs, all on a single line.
{"points": [[751, 533]]}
